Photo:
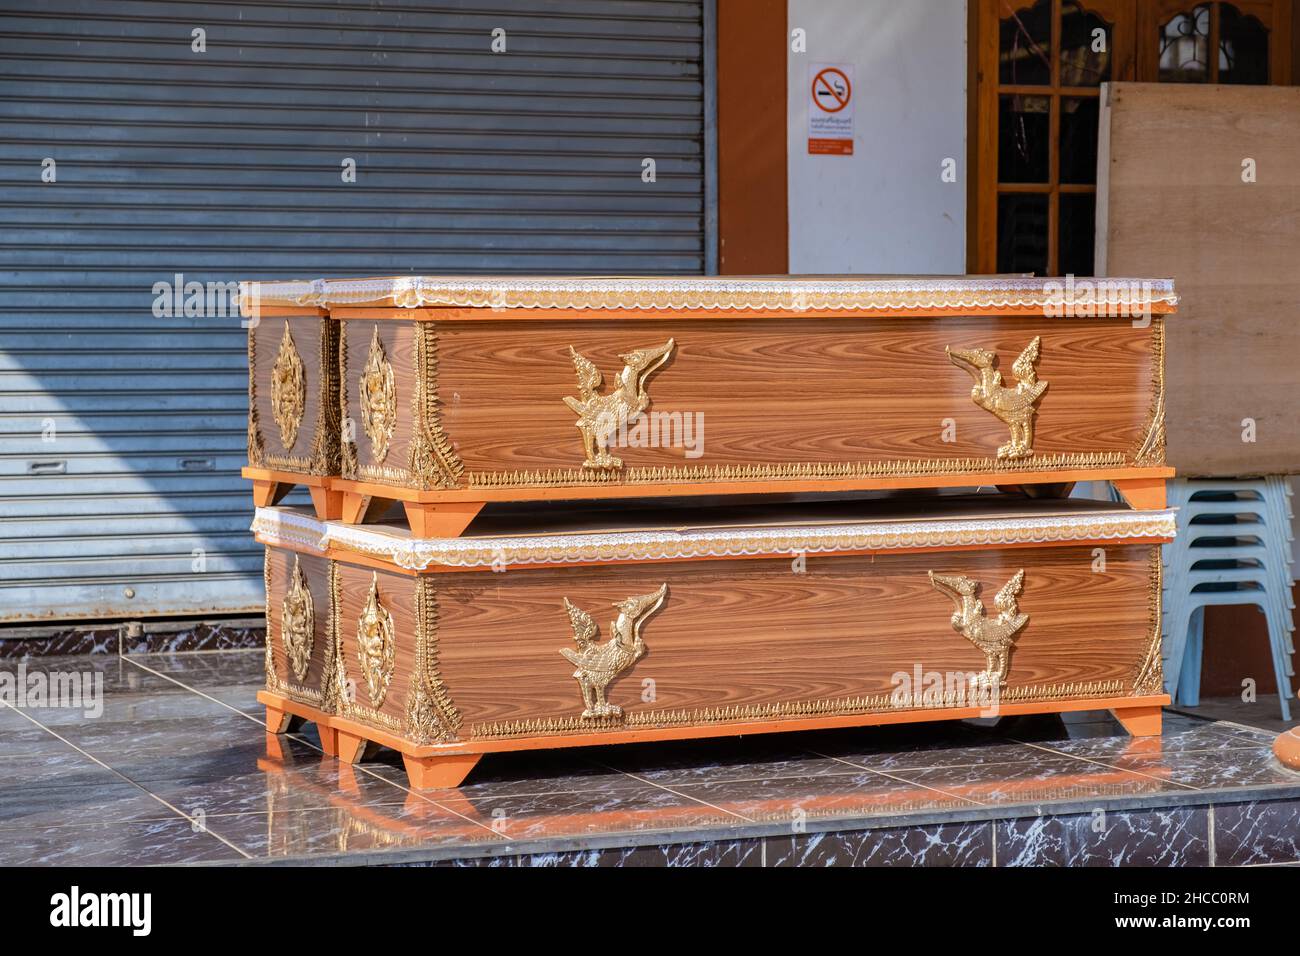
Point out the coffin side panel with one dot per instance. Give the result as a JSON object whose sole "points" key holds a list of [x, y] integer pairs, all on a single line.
{"points": [[313, 688], [751, 639], [793, 391], [398, 342], [316, 346], [396, 595]]}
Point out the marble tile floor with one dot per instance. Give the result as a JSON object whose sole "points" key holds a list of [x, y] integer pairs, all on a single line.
{"points": [[1263, 712], [176, 768]]}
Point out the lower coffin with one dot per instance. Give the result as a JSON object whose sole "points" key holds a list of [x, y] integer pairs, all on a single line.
{"points": [[467, 661]]}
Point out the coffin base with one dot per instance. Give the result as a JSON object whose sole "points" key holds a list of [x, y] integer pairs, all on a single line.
{"points": [[434, 766]]}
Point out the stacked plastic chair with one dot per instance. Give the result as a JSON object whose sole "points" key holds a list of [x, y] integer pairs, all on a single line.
{"points": [[1233, 548]]}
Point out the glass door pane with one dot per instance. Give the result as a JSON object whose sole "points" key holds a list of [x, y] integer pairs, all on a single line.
{"points": [[1025, 47], [1022, 233], [1024, 138], [1185, 47]]}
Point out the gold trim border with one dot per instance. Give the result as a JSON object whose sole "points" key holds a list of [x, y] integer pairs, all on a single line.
{"points": [[798, 471], [828, 707]]}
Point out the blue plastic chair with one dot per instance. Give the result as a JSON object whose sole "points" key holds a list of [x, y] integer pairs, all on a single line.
{"points": [[1233, 548]]}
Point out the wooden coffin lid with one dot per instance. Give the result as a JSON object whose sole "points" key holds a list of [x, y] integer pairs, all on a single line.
{"points": [[929, 295], [943, 524]]}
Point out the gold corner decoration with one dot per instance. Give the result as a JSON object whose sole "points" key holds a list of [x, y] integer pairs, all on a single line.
{"points": [[1149, 676], [601, 415], [1152, 449], [345, 690], [431, 717], [256, 447], [298, 622], [376, 644], [432, 460], [272, 679], [378, 399], [288, 390], [325, 450], [598, 664], [994, 636], [347, 425], [1015, 407], [329, 691]]}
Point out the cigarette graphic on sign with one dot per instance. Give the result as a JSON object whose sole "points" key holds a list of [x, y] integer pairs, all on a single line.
{"points": [[831, 89], [830, 113]]}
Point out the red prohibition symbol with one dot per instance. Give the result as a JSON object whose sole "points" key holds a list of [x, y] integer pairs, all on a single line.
{"points": [[831, 90]]}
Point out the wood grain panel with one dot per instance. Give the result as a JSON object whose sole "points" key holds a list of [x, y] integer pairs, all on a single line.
{"points": [[397, 596], [741, 633], [306, 331], [398, 339], [316, 570], [798, 390], [1232, 247]]}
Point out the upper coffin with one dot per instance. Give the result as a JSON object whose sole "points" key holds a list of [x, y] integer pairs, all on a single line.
{"points": [[493, 388]]}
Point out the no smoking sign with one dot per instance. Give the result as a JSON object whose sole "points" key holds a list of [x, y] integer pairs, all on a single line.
{"points": [[830, 112]]}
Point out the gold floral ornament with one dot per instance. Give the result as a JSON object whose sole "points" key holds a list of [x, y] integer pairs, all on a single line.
{"points": [[994, 636], [1014, 406], [288, 390], [598, 664], [600, 416], [376, 645], [378, 399], [298, 622]]}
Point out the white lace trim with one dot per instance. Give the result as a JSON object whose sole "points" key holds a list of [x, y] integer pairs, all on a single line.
{"points": [[278, 526], [707, 293]]}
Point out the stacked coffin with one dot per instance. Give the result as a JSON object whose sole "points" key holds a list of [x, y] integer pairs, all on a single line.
{"points": [[730, 473]]}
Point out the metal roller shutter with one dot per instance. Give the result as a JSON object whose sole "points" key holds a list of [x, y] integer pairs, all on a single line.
{"points": [[123, 433]]}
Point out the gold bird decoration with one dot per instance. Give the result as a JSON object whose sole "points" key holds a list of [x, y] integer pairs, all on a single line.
{"points": [[994, 636], [1016, 406], [599, 416], [598, 664]]}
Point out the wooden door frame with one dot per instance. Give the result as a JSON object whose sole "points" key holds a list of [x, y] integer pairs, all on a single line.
{"points": [[1130, 59]]}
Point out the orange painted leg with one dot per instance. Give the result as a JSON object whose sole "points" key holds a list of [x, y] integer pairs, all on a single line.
{"points": [[329, 740], [277, 721], [435, 773], [1287, 748], [1142, 494], [358, 509], [1139, 721], [350, 749], [267, 492], [327, 503], [275, 746], [442, 520]]}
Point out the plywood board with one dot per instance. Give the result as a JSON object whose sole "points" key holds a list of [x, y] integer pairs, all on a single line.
{"points": [[1172, 202]]}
